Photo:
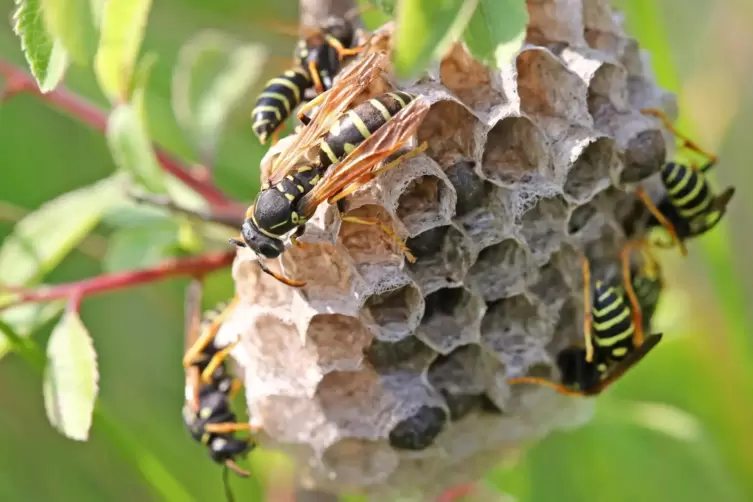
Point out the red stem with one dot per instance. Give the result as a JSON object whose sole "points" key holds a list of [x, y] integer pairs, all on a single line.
{"points": [[456, 492], [18, 81], [196, 266]]}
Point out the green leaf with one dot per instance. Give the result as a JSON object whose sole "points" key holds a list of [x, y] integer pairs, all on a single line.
{"points": [[122, 31], [386, 6], [141, 247], [70, 378], [47, 59], [132, 150], [42, 239], [241, 73], [24, 319], [426, 29], [140, 81], [70, 22], [497, 30]]}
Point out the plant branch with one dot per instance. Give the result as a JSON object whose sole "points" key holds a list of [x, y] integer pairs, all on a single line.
{"points": [[18, 82], [195, 266]]}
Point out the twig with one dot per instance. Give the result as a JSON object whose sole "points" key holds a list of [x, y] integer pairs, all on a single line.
{"points": [[195, 266], [18, 82]]}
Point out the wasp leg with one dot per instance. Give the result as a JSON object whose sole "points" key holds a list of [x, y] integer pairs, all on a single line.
{"points": [[228, 427], [235, 387], [587, 306], [276, 134], [279, 277], [661, 219], [193, 379], [354, 12], [628, 285], [686, 142], [216, 361], [343, 52], [547, 383], [387, 230], [298, 233], [236, 469], [206, 338], [314, 72], [307, 106]]}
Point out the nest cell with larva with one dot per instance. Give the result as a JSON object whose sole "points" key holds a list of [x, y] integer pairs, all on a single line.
{"points": [[387, 377]]}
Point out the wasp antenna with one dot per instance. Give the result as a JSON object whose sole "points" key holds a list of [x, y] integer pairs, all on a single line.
{"points": [[238, 243]]}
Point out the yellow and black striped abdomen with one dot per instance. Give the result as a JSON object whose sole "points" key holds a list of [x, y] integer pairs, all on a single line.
{"points": [[280, 97], [275, 208], [612, 323], [359, 123], [687, 190]]}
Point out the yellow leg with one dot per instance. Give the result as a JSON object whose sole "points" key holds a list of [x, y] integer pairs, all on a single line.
{"points": [[235, 387], [547, 383], [686, 142], [587, 309], [194, 379], [236, 468], [228, 427], [628, 285], [314, 72], [387, 230], [216, 361], [660, 217], [355, 186], [206, 338], [307, 106]]}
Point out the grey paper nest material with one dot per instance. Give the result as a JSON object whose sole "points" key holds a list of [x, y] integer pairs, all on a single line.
{"points": [[382, 376]]}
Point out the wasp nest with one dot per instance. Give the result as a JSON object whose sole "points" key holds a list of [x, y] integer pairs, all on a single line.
{"points": [[382, 376]]}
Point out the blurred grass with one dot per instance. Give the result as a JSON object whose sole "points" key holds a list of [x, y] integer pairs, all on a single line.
{"points": [[698, 447]]}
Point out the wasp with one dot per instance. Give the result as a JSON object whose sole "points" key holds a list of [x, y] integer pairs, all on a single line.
{"points": [[319, 57], [613, 333], [690, 207], [350, 144], [207, 413]]}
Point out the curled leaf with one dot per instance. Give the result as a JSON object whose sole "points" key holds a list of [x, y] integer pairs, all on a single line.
{"points": [[497, 30]]}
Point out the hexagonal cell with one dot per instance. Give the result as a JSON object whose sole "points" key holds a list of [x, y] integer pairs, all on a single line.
{"points": [[590, 173], [468, 79], [469, 186], [418, 431], [554, 21], [422, 204], [492, 220], [515, 152], [644, 156], [393, 315], [452, 318], [569, 330], [450, 131], [339, 340], [543, 227], [410, 352], [550, 288], [360, 462], [443, 254], [514, 325], [605, 78], [369, 243], [547, 87], [502, 270], [580, 216], [459, 376]]}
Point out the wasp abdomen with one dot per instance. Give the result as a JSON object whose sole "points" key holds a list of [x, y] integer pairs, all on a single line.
{"points": [[687, 189], [280, 97], [613, 326], [359, 123]]}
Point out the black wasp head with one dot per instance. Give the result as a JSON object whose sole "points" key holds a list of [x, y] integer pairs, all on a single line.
{"points": [[341, 29], [261, 244]]}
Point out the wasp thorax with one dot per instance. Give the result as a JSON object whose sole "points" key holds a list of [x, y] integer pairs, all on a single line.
{"points": [[391, 377]]}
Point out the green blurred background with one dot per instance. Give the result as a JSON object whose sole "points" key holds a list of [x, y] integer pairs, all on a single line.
{"points": [[680, 428]]}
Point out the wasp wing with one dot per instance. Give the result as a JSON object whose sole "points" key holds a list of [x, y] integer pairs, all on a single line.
{"points": [[623, 366], [332, 104], [359, 163]]}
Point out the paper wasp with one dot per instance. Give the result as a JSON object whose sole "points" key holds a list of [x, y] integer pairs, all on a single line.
{"points": [[319, 57], [613, 333], [690, 207], [349, 143], [207, 413]]}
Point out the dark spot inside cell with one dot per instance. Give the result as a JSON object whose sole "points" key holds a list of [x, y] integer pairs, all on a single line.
{"points": [[487, 405], [644, 156], [442, 301], [384, 355], [419, 431], [427, 243], [470, 188], [460, 405], [579, 217]]}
